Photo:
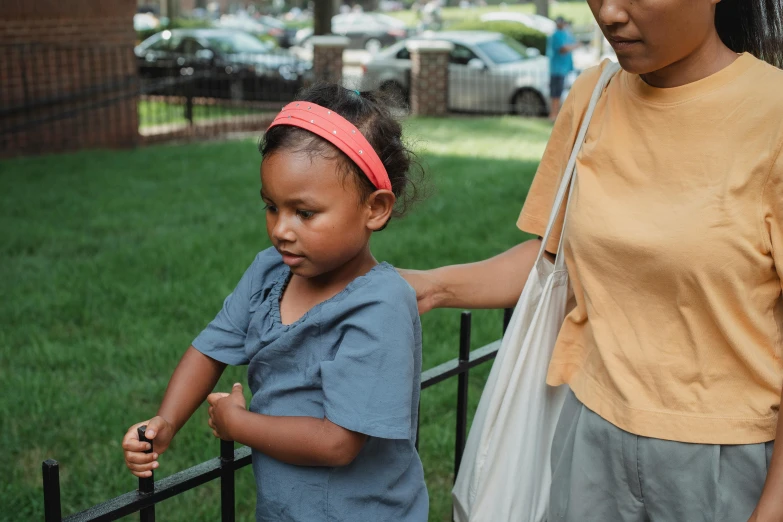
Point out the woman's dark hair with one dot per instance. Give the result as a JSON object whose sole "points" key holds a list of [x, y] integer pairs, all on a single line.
{"points": [[753, 26], [373, 113]]}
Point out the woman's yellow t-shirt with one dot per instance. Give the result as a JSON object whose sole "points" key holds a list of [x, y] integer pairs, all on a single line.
{"points": [[674, 246]]}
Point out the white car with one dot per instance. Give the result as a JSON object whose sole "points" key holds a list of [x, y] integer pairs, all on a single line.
{"points": [[537, 22], [488, 73]]}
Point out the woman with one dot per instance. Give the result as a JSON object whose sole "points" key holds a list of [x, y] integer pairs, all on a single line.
{"points": [[674, 247]]}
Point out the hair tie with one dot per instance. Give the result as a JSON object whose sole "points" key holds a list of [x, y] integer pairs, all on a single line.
{"points": [[357, 92], [339, 132]]}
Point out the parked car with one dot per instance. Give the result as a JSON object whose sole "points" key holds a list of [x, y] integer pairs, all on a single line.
{"points": [[488, 73], [218, 63], [145, 22], [391, 5], [262, 25], [533, 21], [370, 31]]}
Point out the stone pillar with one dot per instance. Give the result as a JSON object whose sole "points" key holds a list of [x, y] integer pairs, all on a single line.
{"points": [[429, 77], [328, 57]]}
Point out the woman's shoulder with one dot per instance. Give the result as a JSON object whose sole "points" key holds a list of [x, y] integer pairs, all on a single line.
{"points": [[585, 83], [767, 80]]}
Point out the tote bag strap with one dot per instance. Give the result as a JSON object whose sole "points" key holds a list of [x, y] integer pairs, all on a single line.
{"points": [[609, 71]]}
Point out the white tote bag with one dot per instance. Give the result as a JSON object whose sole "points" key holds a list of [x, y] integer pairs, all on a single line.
{"points": [[505, 473]]}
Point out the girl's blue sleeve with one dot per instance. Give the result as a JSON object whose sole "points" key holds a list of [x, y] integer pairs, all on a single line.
{"points": [[224, 338], [371, 385]]}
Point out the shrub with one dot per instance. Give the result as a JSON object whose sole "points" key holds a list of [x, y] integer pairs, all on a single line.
{"points": [[521, 33]]}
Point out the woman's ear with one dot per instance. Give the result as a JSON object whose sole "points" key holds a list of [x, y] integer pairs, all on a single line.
{"points": [[380, 204]]}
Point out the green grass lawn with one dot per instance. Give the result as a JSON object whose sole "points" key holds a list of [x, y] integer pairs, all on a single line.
{"points": [[113, 261], [578, 12]]}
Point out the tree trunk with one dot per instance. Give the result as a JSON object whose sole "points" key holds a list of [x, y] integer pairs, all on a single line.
{"points": [[322, 16], [542, 7]]}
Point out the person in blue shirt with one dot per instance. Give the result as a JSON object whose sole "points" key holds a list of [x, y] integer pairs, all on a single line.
{"points": [[559, 48], [331, 337]]}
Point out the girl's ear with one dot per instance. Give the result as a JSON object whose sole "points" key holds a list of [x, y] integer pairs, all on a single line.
{"points": [[380, 204]]}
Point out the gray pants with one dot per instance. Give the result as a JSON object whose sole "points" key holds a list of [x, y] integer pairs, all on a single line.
{"points": [[601, 473]]}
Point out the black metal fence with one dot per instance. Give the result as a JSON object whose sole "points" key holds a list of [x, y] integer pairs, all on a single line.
{"points": [[223, 467], [68, 96], [517, 89]]}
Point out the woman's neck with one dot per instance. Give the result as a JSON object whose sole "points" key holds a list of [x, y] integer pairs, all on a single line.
{"points": [[707, 59]]}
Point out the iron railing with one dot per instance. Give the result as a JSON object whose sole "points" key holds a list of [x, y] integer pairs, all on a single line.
{"points": [[150, 492]]}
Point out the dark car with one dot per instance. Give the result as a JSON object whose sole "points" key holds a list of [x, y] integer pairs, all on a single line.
{"points": [[370, 31], [218, 63], [261, 25]]}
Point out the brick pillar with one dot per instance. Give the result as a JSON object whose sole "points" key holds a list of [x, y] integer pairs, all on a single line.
{"points": [[429, 77], [68, 75], [328, 57]]}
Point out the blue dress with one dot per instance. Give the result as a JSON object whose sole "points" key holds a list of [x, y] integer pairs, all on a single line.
{"points": [[354, 359]]}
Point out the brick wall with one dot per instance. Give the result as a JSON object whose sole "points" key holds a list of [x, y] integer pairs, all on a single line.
{"points": [[67, 75]]}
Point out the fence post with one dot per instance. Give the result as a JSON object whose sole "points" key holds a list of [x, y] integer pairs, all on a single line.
{"points": [[462, 389], [189, 102], [147, 484], [507, 313], [51, 486], [227, 493]]}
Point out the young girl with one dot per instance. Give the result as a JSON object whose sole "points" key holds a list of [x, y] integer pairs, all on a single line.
{"points": [[331, 337], [674, 247]]}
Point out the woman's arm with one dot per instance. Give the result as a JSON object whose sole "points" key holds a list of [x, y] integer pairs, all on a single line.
{"points": [[496, 282], [770, 507]]}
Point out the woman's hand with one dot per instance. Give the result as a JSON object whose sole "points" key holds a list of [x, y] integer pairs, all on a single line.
{"points": [[427, 288], [223, 408], [141, 464]]}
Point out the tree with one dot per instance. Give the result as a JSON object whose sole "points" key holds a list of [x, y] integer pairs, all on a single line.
{"points": [[322, 16], [542, 7]]}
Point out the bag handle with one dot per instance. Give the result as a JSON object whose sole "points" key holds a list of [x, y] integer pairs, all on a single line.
{"points": [[609, 71]]}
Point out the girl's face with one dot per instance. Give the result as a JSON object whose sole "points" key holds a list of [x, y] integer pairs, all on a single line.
{"points": [[314, 215], [649, 35]]}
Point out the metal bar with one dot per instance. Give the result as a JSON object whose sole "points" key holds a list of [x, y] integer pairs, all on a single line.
{"points": [[462, 389], [227, 504], [166, 488], [448, 369], [33, 122], [418, 426], [146, 485], [507, 313], [51, 487]]}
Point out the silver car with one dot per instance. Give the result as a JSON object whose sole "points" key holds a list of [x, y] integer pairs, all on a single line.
{"points": [[488, 73]]}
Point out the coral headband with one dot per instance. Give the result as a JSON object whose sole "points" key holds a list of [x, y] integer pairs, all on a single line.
{"points": [[339, 132]]}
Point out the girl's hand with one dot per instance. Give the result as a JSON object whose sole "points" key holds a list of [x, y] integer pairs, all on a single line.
{"points": [[141, 464], [223, 408], [426, 286]]}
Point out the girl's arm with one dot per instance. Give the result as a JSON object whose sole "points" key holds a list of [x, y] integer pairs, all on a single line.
{"points": [[301, 441], [195, 376], [770, 507], [496, 282]]}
